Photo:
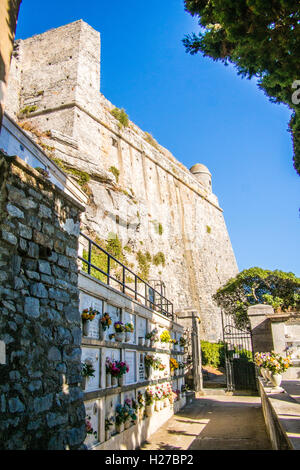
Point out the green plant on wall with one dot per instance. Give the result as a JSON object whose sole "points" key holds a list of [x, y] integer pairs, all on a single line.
{"points": [[143, 260], [208, 229], [115, 172], [28, 109], [159, 258], [151, 140], [121, 116]]}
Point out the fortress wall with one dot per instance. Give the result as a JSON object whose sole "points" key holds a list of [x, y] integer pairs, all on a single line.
{"points": [[152, 188]]}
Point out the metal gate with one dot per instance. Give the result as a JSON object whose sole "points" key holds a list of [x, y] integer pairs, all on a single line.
{"points": [[238, 349]]}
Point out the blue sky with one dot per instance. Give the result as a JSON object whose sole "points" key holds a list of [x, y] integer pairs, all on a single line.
{"points": [[201, 111]]}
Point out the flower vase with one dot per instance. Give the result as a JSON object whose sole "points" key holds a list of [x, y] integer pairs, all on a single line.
{"points": [[128, 337], [268, 374], [147, 343], [107, 435], [141, 341], [84, 382], [108, 380], [121, 380], [263, 372], [103, 334], [276, 380], [120, 336], [120, 428], [141, 413], [114, 381], [127, 424], [157, 405], [149, 410], [166, 402], [149, 372], [85, 327]]}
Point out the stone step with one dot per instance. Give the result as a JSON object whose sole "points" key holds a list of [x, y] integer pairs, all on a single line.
{"points": [[211, 391]]}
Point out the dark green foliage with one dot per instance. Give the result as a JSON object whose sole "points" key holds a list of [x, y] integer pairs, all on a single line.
{"points": [[212, 354], [262, 39], [258, 286]]}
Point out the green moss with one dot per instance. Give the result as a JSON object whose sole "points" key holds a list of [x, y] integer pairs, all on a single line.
{"points": [[159, 258], [143, 260], [208, 228], [28, 109], [115, 172], [121, 116]]}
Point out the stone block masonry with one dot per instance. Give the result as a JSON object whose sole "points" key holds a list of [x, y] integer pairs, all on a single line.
{"points": [[40, 397]]}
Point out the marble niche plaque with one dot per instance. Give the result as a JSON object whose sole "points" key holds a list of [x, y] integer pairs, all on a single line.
{"points": [[92, 356], [87, 301], [92, 414], [115, 315], [130, 358], [141, 327]]}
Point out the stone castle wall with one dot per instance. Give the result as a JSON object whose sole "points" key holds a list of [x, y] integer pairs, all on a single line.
{"points": [[41, 401], [152, 202]]}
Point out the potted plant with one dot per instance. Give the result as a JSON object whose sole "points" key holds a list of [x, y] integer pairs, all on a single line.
{"points": [[87, 371], [120, 331], [129, 329], [165, 338], [109, 422], [129, 413], [87, 315], [149, 400], [150, 364], [88, 427], [148, 340], [105, 322], [120, 418]]}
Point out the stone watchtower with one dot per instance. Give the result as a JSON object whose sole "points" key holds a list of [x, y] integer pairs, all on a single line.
{"points": [[162, 212]]}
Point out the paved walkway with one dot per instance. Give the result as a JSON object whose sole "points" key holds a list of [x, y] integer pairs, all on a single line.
{"points": [[214, 422]]}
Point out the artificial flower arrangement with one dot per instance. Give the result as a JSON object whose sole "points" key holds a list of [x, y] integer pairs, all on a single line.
{"points": [[140, 400], [105, 321], [149, 397], [119, 368], [89, 314], [129, 327], [112, 336], [173, 363], [153, 335], [173, 341], [277, 364], [129, 411], [88, 427], [182, 341], [109, 422], [87, 370], [119, 327], [158, 393], [165, 337], [150, 360], [120, 415]]}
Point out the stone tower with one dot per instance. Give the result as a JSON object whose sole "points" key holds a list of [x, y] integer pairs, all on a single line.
{"points": [[168, 220]]}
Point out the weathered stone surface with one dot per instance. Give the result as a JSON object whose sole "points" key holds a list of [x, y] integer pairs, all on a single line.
{"points": [[14, 211], [32, 307]]}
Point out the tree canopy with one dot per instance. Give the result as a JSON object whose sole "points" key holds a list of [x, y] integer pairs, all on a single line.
{"points": [[261, 39], [258, 286]]}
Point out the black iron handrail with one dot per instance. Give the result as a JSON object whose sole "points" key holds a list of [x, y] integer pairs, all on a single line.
{"points": [[152, 298]]}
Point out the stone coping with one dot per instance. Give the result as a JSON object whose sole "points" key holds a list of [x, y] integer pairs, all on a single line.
{"points": [[86, 341], [286, 409]]}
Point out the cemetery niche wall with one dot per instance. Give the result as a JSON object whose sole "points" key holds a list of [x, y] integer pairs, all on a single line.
{"points": [[133, 380]]}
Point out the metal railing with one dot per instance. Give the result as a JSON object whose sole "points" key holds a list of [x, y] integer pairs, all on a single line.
{"points": [[149, 296]]}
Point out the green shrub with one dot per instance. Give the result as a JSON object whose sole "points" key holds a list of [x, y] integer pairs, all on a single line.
{"points": [[212, 354], [121, 116]]}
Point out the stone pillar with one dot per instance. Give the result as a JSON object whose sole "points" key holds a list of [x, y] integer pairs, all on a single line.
{"points": [[41, 400], [261, 327]]}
